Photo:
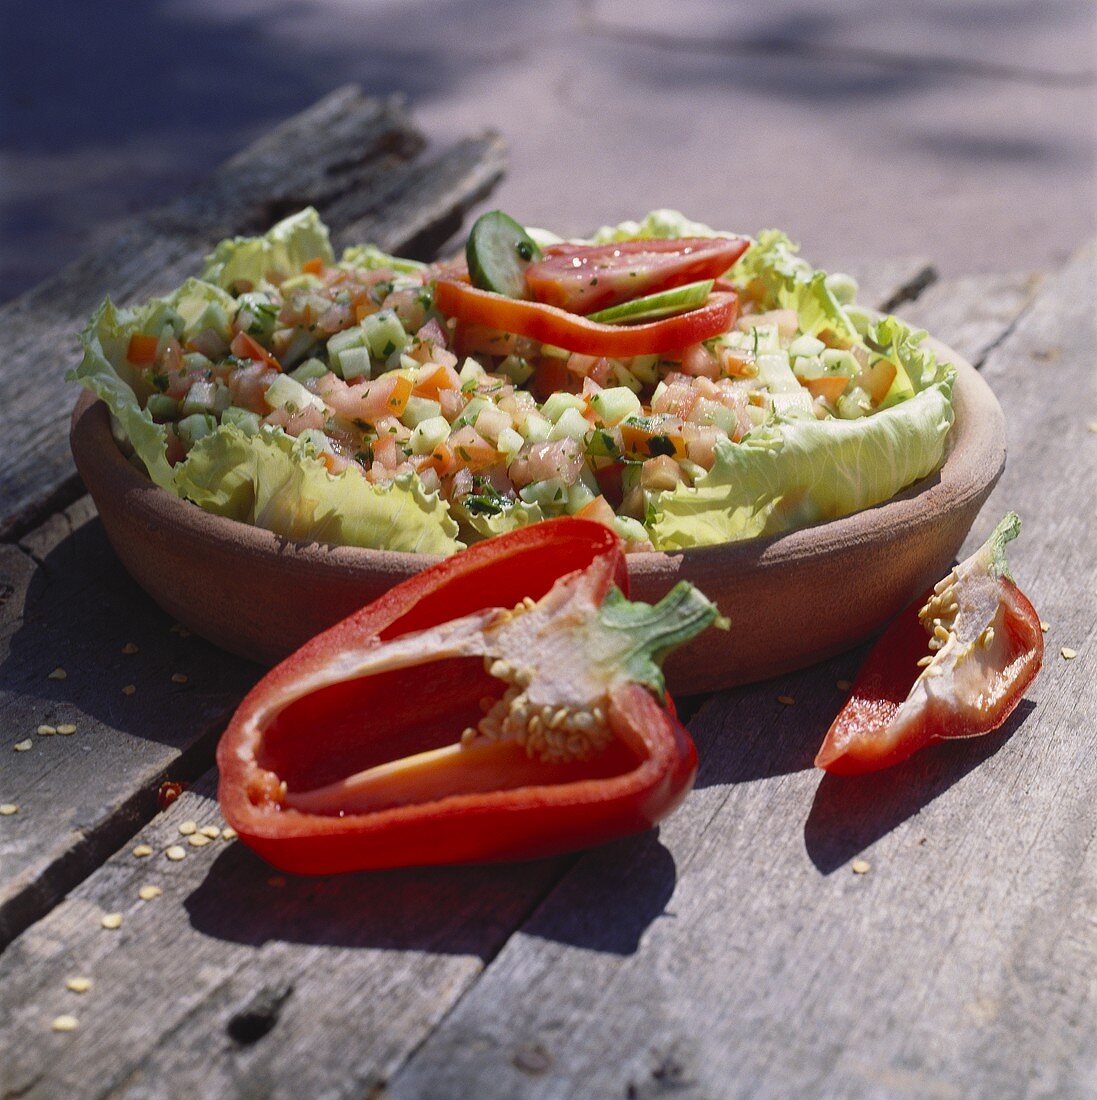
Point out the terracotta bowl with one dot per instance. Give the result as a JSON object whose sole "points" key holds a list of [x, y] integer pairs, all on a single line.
{"points": [[792, 599]]}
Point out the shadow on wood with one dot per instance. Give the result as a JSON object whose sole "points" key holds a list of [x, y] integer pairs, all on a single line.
{"points": [[850, 813], [437, 909]]}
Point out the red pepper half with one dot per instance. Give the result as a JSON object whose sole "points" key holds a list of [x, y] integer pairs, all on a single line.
{"points": [[985, 647], [505, 703]]}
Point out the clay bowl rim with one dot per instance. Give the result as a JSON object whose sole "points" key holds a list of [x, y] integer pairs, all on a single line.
{"points": [[968, 446]]}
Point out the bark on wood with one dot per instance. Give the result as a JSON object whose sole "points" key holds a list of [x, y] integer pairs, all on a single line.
{"points": [[737, 955]]}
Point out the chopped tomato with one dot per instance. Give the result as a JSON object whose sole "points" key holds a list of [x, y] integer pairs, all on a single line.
{"points": [[432, 383], [397, 400], [582, 278], [829, 387], [142, 349], [552, 375], [876, 379], [598, 510], [555, 326], [313, 267], [472, 449], [649, 440], [244, 346]]}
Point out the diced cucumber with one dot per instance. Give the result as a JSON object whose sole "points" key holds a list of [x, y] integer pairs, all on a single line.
{"points": [[651, 307], [428, 434], [247, 421], [384, 334], [471, 371], [195, 360], [579, 496], [344, 341], [536, 428], [310, 368], [631, 530], [554, 352], [314, 439], [793, 405], [470, 412], [305, 281], [256, 315], [199, 398], [624, 377], [286, 391], [614, 404], [557, 402], [572, 424], [602, 444], [490, 421], [630, 476], [775, 374], [419, 409], [552, 492], [805, 346], [645, 368], [517, 369], [498, 252], [509, 442], [195, 427], [837, 361], [301, 344], [355, 363], [843, 287], [162, 407], [212, 317]]}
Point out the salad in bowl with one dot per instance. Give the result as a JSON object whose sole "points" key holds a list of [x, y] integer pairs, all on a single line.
{"points": [[686, 387]]}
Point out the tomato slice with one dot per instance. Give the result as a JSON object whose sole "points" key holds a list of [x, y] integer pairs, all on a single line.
{"points": [[583, 278], [550, 325]]}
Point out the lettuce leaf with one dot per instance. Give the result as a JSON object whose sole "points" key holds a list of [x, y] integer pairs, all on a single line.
{"points": [[658, 223], [369, 257], [272, 480], [281, 250], [806, 471], [106, 371], [480, 525]]}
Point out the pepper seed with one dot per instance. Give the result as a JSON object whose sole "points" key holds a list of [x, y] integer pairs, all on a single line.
{"points": [[148, 893], [129, 649], [46, 731], [65, 1023], [142, 850], [188, 828], [8, 808], [176, 852], [112, 921], [860, 866], [78, 985], [66, 729], [129, 689], [211, 831], [57, 674], [197, 840], [23, 746], [1068, 653]]}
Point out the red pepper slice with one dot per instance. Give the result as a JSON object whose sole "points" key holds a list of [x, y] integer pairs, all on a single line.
{"points": [[550, 325], [985, 648], [451, 721]]}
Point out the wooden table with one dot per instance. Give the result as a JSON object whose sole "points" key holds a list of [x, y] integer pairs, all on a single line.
{"points": [[733, 952]]}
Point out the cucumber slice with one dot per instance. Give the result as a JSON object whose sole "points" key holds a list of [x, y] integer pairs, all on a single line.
{"points": [[498, 251], [652, 307]]}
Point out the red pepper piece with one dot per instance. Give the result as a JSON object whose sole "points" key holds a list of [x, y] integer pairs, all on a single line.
{"points": [[503, 704], [985, 647]]}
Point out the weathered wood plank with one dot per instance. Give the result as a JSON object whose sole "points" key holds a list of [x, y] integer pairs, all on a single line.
{"points": [[350, 156], [737, 955], [346, 974], [80, 795], [216, 945]]}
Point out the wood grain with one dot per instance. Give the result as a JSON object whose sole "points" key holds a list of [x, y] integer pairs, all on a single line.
{"points": [[350, 156], [738, 955]]}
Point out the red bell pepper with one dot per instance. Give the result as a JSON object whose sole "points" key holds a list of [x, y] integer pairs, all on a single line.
{"points": [[985, 648], [503, 704]]}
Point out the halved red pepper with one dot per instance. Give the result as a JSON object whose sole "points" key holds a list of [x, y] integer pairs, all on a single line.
{"points": [[985, 647], [504, 704]]}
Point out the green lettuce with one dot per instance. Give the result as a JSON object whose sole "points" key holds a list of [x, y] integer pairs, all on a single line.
{"points": [[369, 257], [482, 525], [792, 474], [272, 480], [107, 372], [658, 223], [281, 251]]}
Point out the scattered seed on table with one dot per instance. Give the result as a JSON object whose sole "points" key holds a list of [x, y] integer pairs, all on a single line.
{"points": [[179, 677], [860, 866], [181, 630], [78, 985], [176, 852], [276, 881], [8, 808], [211, 831], [57, 674], [142, 850], [1068, 653], [46, 731], [129, 689], [23, 746], [148, 893], [66, 729], [188, 827], [786, 700], [65, 1023], [112, 921], [1045, 626], [129, 649], [842, 685], [197, 840], [228, 833]]}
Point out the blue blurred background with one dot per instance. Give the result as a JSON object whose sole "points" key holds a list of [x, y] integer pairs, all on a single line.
{"points": [[964, 132]]}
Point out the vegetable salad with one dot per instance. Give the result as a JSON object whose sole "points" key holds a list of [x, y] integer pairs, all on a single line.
{"points": [[683, 387]]}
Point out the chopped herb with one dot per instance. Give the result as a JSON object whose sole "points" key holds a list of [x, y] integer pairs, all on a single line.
{"points": [[388, 349], [160, 381], [660, 445]]}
